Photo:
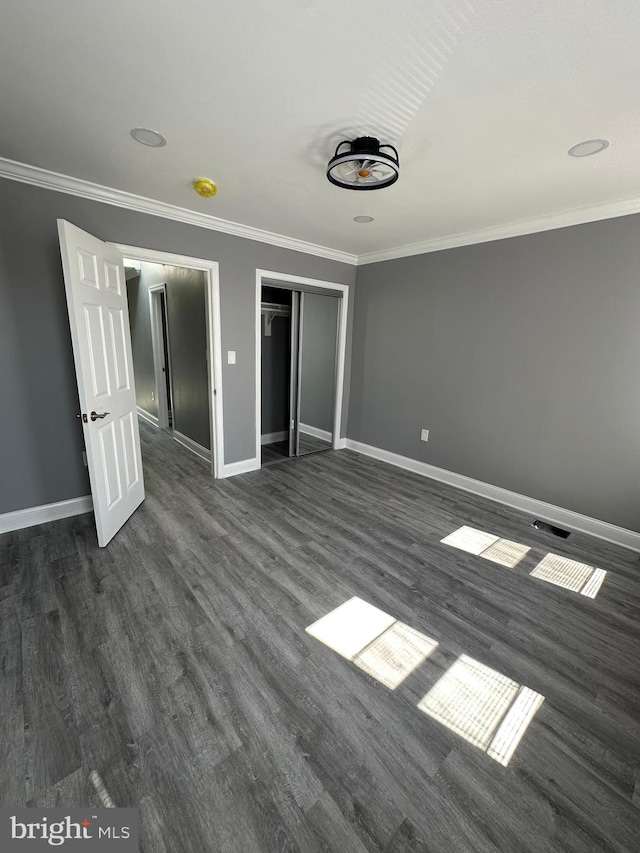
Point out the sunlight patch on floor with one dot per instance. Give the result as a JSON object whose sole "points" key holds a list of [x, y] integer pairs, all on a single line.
{"points": [[487, 545], [506, 553], [351, 627], [554, 569], [394, 655], [570, 574], [378, 644], [470, 540], [486, 708]]}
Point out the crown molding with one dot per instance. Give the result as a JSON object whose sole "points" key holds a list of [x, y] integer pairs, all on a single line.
{"points": [[24, 173], [519, 228], [34, 175]]}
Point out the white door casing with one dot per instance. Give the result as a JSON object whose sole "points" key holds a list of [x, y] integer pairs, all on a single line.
{"points": [[98, 316], [275, 279], [214, 349]]}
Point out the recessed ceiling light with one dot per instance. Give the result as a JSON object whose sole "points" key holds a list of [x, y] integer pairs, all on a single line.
{"points": [[588, 147], [146, 136], [363, 218]]}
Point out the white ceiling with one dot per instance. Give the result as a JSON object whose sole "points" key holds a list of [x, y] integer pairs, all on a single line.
{"points": [[483, 99]]}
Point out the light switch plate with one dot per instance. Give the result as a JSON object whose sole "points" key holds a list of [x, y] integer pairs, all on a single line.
{"points": [[231, 356], [424, 435]]}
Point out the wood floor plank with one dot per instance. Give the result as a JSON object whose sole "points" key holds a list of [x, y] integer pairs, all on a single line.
{"points": [[12, 745], [51, 743], [75, 788]]}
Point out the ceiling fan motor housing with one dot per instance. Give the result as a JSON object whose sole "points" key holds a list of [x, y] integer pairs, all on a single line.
{"points": [[365, 166]]}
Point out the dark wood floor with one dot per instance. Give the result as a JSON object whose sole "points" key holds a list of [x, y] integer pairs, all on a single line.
{"points": [[176, 664]]}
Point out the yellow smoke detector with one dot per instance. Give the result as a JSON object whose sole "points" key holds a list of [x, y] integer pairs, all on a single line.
{"points": [[205, 187]]}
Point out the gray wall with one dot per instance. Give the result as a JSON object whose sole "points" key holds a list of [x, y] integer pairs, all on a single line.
{"points": [[276, 366], [318, 353], [42, 453], [186, 315], [521, 356], [141, 343]]}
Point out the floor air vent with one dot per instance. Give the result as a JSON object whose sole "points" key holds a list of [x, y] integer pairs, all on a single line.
{"points": [[549, 528]]}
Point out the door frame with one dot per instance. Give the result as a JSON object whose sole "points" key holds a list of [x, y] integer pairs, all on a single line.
{"points": [[269, 277], [157, 346], [211, 270], [294, 374]]}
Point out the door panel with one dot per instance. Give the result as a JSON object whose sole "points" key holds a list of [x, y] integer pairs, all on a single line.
{"points": [[97, 347], [113, 277], [97, 304], [109, 453], [119, 329], [128, 429], [317, 371]]}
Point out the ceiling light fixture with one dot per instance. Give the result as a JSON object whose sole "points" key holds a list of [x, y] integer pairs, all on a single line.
{"points": [[146, 136], [588, 147], [364, 166], [363, 219]]}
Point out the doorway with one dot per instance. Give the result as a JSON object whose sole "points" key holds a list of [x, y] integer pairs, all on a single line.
{"points": [[99, 322], [300, 348], [167, 316], [174, 320]]}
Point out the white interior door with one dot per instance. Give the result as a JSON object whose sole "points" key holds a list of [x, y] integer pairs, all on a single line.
{"points": [[97, 303]]}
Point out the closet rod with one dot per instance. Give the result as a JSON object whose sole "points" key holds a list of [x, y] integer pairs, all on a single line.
{"points": [[273, 308]]}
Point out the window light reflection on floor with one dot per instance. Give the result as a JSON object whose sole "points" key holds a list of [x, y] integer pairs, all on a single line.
{"points": [[487, 709], [506, 553], [378, 644], [570, 574], [487, 545], [470, 540], [351, 627], [561, 571], [394, 655]]}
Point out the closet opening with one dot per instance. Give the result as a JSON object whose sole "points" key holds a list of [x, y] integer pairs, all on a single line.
{"points": [[299, 336]]}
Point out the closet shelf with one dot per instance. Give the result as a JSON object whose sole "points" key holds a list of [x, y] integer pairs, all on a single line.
{"points": [[271, 310]]}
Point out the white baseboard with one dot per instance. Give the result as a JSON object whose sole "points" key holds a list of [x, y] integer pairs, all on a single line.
{"points": [[341, 444], [272, 437], [231, 469], [148, 417], [548, 512], [192, 445], [42, 514], [322, 434]]}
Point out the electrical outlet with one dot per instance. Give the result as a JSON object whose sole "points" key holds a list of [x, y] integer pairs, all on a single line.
{"points": [[424, 435], [153, 395], [84, 458]]}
